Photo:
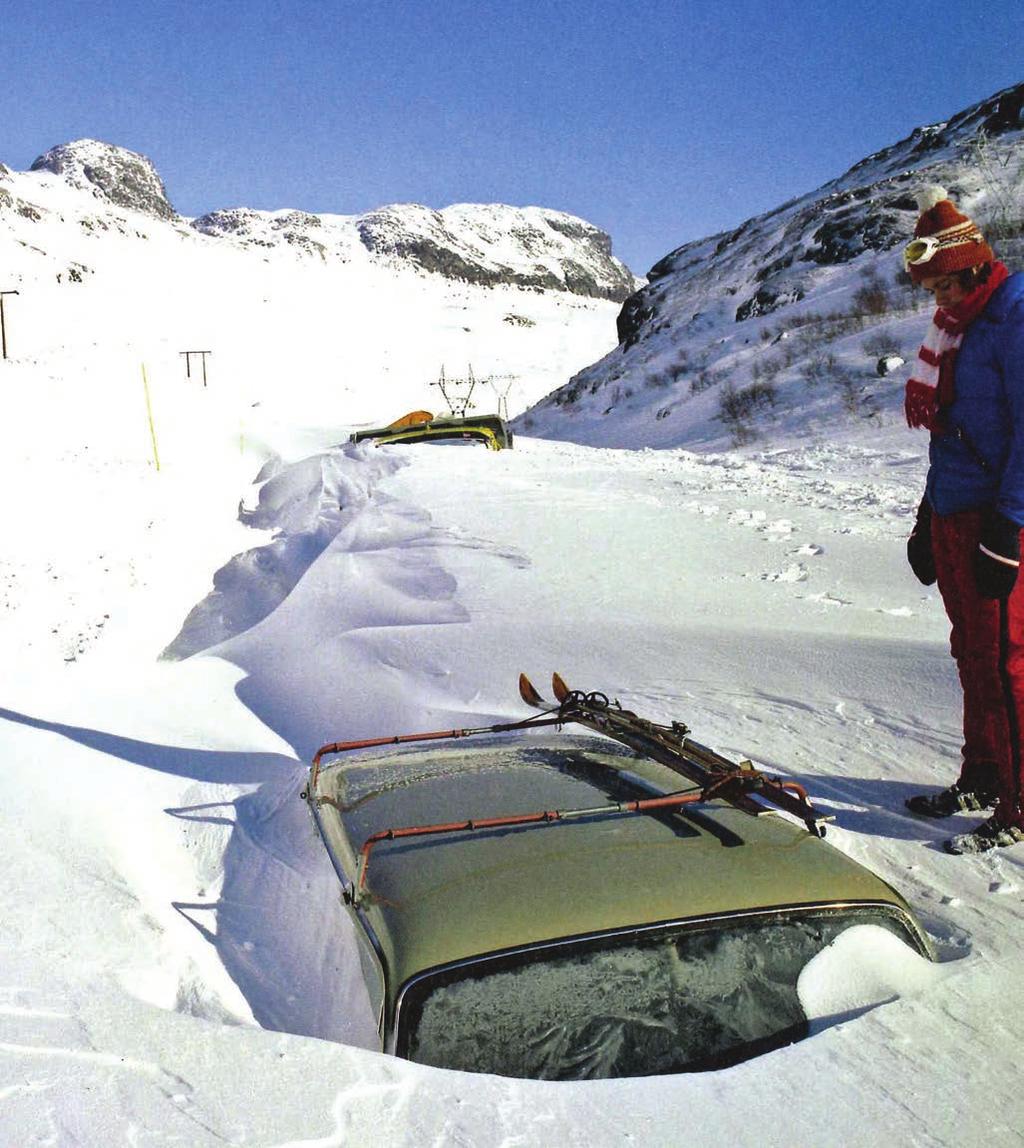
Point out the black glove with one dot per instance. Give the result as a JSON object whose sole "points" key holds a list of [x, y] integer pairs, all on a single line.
{"points": [[919, 545], [998, 557]]}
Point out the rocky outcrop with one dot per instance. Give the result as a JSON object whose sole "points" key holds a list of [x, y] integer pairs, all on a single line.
{"points": [[297, 229], [485, 244], [119, 176], [490, 244]]}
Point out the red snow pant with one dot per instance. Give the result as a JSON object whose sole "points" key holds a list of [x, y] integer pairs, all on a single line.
{"points": [[987, 641]]}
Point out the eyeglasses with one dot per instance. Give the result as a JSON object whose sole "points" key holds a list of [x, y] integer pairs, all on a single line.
{"points": [[919, 251]]}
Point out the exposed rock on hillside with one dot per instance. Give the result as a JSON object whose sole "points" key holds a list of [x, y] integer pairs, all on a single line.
{"points": [[115, 174], [827, 261], [486, 244], [494, 243], [268, 229]]}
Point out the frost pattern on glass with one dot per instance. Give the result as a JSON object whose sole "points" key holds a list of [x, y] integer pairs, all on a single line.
{"points": [[667, 1003]]}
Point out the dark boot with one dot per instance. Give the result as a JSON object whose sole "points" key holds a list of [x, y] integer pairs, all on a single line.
{"points": [[952, 800], [992, 834]]}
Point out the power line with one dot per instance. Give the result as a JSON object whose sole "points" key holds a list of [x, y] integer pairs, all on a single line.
{"points": [[458, 393]]}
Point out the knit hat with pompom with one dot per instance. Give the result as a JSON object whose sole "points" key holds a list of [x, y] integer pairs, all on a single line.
{"points": [[944, 240]]}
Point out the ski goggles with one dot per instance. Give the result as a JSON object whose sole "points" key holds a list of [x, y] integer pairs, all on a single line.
{"points": [[919, 251]]}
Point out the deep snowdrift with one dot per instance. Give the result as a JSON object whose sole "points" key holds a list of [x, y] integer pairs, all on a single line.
{"points": [[177, 966]]}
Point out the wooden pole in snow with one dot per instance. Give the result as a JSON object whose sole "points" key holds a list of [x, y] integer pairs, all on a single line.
{"points": [[149, 415], [188, 362], [3, 321]]}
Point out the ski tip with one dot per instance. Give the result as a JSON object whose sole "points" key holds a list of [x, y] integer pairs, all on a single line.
{"points": [[559, 686], [528, 693]]}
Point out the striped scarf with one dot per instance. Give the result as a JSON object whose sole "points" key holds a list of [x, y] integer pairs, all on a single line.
{"points": [[930, 389]]}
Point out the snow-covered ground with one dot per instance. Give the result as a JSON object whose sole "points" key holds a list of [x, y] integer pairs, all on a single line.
{"points": [[201, 585], [176, 967]]}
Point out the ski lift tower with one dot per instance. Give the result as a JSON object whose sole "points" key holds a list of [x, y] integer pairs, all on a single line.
{"points": [[458, 393]]}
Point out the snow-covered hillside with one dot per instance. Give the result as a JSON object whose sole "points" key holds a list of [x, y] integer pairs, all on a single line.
{"points": [[294, 306], [774, 330]]}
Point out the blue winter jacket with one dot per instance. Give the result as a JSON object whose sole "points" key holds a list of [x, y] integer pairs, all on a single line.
{"points": [[979, 460]]}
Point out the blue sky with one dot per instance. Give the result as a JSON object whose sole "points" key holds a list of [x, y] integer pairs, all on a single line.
{"points": [[660, 122]]}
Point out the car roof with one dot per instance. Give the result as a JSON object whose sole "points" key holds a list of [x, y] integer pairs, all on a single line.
{"points": [[434, 900]]}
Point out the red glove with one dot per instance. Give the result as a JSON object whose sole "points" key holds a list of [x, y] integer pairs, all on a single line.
{"points": [[921, 405]]}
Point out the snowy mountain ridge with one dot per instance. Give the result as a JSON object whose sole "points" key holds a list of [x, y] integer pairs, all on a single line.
{"points": [[711, 322], [486, 244], [109, 277]]}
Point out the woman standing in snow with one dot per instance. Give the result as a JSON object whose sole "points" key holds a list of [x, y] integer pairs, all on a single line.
{"points": [[968, 390]]}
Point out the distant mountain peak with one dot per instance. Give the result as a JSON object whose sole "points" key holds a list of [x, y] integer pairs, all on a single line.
{"points": [[122, 177]]}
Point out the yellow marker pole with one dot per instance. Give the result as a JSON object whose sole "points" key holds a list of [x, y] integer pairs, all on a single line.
{"points": [[149, 415]]}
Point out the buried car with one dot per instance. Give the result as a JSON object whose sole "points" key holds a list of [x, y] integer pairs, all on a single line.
{"points": [[421, 426], [566, 907]]}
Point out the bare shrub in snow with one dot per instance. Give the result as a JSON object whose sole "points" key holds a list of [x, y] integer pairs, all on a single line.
{"points": [[880, 342], [679, 366], [873, 296], [854, 395], [766, 369], [1002, 214], [739, 407], [703, 380], [819, 368]]}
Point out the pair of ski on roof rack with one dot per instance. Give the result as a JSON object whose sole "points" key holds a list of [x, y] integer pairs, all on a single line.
{"points": [[715, 777]]}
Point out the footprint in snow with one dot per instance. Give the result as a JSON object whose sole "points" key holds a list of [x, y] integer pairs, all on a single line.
{"points": [[778, 530], [827, 599], [808, 550], [774, 531], [748, 518], [794, 572]]}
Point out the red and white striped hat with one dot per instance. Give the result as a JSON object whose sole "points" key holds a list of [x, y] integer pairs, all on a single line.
{"points": [[944, 240]]}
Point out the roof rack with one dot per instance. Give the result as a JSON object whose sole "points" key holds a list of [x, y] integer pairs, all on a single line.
{"points": [[715, 777]]}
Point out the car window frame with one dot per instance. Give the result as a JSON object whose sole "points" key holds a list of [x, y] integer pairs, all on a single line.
{"points": [[396, 1039]]}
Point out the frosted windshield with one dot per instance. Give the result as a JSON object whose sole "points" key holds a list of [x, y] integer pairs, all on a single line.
{"points": [[662, 1003]]}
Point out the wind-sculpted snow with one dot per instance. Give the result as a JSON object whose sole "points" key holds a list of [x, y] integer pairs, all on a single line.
{"points": [[305, 506], [862, 968], [177, 965]]}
